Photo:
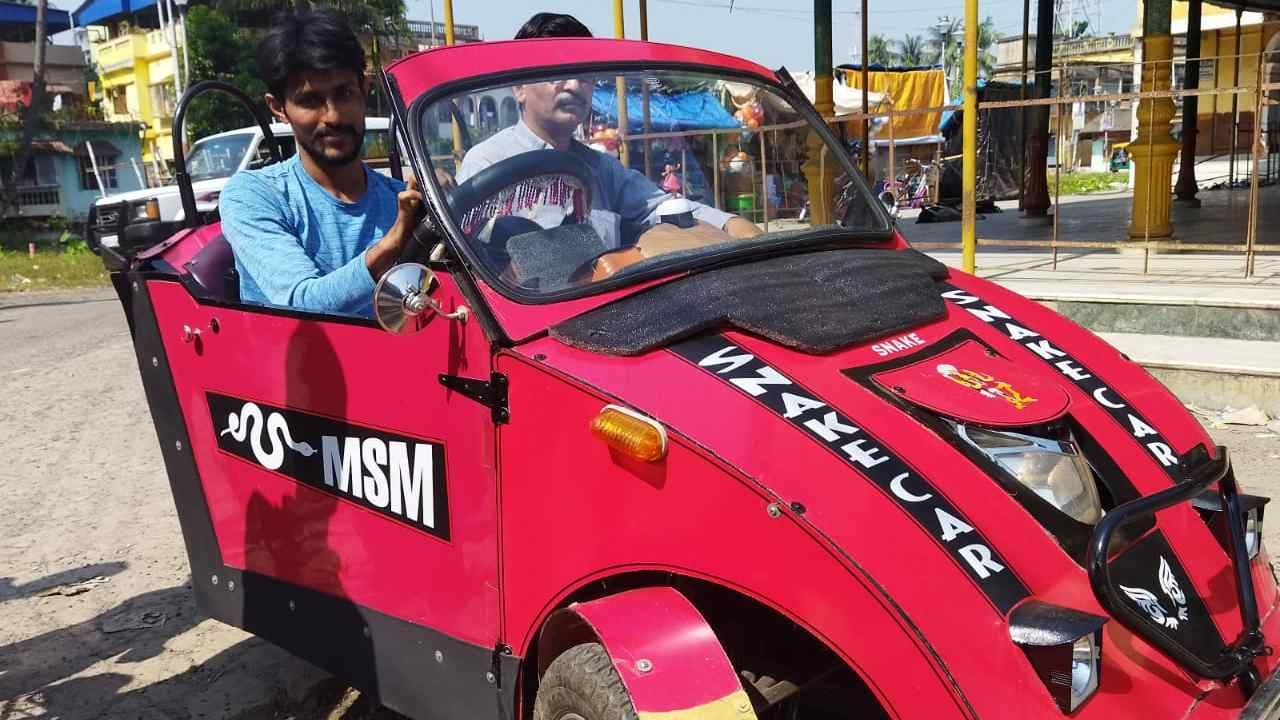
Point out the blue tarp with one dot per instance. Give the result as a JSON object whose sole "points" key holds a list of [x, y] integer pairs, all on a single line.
{"points": [[695, 110], [19, 14], [94, 12]]}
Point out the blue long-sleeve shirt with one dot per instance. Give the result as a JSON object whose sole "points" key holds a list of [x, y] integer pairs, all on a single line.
{"points": [[296, 245]]}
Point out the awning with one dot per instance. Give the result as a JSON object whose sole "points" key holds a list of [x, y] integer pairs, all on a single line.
{"points": [[101, 149], [94, 12], [12, 13], [51, 146]]}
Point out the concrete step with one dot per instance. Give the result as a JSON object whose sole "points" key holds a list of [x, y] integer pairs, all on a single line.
{"points": [[1197, 317], [1211, 373]]}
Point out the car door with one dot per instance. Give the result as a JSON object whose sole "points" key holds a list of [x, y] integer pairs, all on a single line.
{"points": [[350, 493]]}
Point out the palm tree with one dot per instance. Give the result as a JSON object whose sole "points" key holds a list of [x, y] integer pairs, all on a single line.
{"points": [[987, 38], [912, 51], [880, 51]]}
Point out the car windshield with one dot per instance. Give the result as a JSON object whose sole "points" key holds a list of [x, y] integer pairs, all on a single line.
{"points": [[217, 157], [552, 193]]}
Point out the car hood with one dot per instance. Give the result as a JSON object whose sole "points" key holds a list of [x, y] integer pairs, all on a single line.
{"points": [[850, 443], [163, 191]]}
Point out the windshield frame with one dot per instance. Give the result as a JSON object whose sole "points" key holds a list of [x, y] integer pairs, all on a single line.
{"points": [[815, 238]]}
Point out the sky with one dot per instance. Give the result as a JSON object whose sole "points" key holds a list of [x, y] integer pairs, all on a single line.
{"points": [[771, 32]]}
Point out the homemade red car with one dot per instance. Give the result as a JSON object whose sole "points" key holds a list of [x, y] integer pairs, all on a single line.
{"points": [[601, 455]]}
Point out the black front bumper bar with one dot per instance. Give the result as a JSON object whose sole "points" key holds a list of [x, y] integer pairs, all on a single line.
{"points": [[1199, 472]]}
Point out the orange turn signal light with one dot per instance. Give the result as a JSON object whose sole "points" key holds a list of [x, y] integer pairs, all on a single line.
{"points": [[631, 433]]}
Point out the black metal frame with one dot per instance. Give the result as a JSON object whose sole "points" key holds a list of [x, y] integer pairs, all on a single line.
{"points": [[1199, 471], [189, 212]]}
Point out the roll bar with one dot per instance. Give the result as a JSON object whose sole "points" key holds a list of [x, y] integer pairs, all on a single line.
{"points": [[1236, 660], [185, 192]]}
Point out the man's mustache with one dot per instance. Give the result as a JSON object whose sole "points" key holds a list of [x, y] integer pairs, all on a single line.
{"points": [[337, 131]]}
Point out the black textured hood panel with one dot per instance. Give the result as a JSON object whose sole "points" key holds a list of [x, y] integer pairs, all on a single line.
{"points": [[816, 302]]}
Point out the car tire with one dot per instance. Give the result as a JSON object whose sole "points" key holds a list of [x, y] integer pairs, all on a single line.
{"points": [[582, 684]]}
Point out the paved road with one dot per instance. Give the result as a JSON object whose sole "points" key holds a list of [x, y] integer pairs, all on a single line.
{"points": [[98, 620]]}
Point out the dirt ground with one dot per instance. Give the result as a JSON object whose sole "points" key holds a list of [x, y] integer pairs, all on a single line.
{"points": [[96, 617]]}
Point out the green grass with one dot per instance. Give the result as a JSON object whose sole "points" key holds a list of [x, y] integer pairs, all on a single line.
{"points": [[1081, 182], [50, 270]]}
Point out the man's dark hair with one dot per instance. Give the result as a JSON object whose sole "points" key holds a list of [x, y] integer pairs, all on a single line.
{"points": [[546, 25], [308, 40]]}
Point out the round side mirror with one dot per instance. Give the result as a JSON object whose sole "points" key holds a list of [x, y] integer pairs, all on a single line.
{"points": [[402, 301], [890, 202]]}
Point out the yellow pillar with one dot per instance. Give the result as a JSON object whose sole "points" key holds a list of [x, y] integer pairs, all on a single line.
{"points": [[820, 166], [969, 180], [620, 32], [1154, 149], [453, 122]]}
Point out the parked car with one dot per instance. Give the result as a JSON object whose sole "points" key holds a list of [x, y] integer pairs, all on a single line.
{"points": [[125, 223], [810, 474]]}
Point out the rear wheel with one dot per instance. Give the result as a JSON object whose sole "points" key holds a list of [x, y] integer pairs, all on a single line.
{"points": [[582, 684]]}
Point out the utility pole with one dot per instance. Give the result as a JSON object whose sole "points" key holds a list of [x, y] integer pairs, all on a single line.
{"points": [[946, 24], [33, 116]]}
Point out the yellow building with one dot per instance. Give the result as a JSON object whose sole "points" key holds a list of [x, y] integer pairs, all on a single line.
{"points": [[1259, 40], [137, 57]]}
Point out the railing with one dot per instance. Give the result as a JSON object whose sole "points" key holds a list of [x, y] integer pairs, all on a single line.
{"points": [[39, 195], [38, 201], [116, 52], [424, 29]]}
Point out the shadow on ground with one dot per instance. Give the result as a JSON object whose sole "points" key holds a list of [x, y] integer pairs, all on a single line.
{"points": [[96, 669], [10, 591]]}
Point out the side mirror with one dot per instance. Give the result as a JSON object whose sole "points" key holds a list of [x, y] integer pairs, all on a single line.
{"points": [[890, 202], [402, 302]]}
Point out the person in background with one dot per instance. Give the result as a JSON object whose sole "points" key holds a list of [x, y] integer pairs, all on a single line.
{"points": [[550, 113]]}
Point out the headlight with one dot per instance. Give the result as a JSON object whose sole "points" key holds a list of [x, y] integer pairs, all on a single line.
{"points": [[1209, 505], [1064, 646], [1053, 469], [147, 210], [1086, 656], [1253, 531]]}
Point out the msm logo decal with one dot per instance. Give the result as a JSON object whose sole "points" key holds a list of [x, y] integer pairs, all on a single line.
{"points": [[398, 477], [865, 454]]}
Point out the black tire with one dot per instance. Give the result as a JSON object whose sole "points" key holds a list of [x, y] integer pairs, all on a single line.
{"points": [[583, 682]]}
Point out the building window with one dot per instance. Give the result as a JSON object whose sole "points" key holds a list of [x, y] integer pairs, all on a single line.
{"points": [[119, 100], [106, 167], [510, 113], [488, 113], [163, 99]]}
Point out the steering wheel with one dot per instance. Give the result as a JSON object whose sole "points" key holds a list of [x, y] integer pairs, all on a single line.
{"points": [[505, 173]]}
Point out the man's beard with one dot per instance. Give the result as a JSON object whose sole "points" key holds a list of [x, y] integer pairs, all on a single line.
{"points": [[320, 154]]}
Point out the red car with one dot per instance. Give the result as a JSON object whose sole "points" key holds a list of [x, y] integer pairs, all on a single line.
{"points": [[598, 458]]}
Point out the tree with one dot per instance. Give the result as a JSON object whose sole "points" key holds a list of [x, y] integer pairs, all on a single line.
{"points": [[33, 116], [220, 49], [223, 39], [946, 40], [912, 51], [987, 38], [880, 51]]}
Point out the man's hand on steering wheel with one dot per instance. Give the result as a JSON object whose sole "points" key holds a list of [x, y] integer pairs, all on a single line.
{"points": [[398, 241]]}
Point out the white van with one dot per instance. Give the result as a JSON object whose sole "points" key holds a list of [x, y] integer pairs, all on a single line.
{"points": [[131, 221]]}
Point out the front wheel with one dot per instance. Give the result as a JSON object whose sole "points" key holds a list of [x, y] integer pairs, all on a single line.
{"points": [[582, 684]]}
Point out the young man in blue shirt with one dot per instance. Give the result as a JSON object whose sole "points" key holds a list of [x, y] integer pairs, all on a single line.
{"points": [[315, 232]]}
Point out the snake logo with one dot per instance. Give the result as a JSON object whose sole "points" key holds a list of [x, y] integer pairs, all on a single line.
{"points": [[250, 422]]}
